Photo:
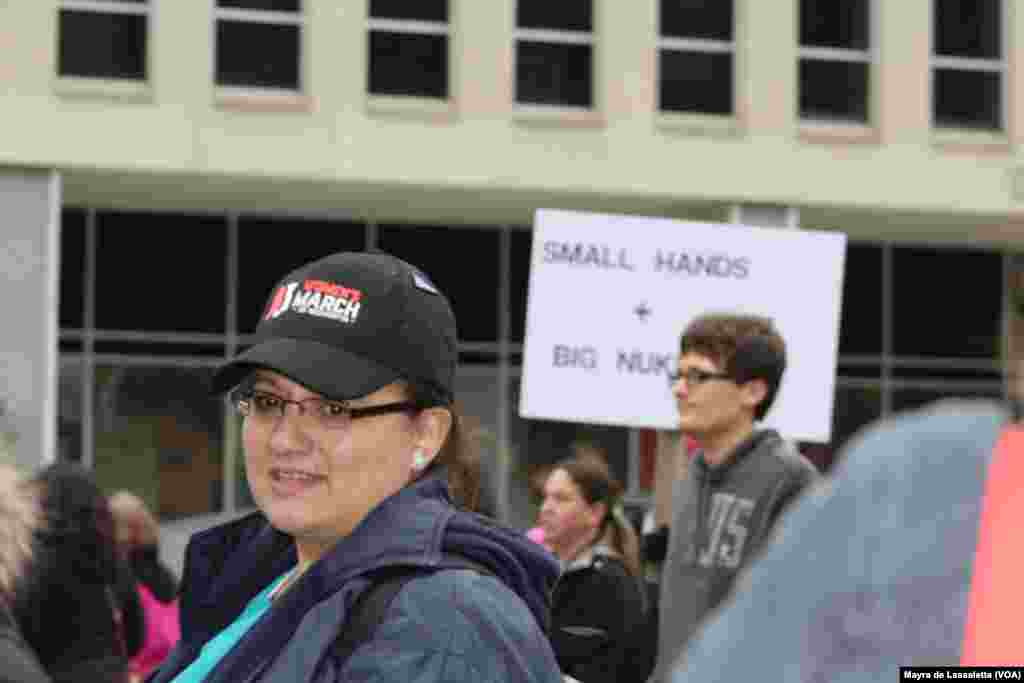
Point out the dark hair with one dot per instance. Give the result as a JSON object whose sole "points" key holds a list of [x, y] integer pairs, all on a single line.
{"points": [[459, 454], [597, 485], [79, 520], [745, 347]]}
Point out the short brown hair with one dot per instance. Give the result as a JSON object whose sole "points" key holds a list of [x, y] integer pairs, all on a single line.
{"points": [[745, 347]]}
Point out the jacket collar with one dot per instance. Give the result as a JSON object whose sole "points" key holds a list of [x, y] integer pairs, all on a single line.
{"points": [[586, 559], [758, 439], [225, 567]]}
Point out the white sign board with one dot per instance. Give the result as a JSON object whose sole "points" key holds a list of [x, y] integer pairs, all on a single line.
{"points": [[610, 295]]}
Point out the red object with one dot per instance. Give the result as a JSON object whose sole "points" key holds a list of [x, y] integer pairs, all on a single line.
{"points": [[162, 632], [996, 602]]}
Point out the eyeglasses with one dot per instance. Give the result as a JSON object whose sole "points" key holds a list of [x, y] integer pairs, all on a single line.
{"points": [[325, 413], [695, 377]]}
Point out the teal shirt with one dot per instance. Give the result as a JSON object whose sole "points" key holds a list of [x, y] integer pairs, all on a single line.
{"points": [[218, 646]]}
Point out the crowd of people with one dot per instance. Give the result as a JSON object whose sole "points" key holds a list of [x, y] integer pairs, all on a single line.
{"points": [[366, 559], [84, 598]]}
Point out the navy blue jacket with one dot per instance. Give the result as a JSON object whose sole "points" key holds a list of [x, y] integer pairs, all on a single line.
{"points": [[445, 626]]}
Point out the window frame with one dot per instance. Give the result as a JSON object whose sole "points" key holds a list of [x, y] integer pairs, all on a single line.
{"points": [[999, 66], [298, 19], [558, 37], [712, 46], [415, 27], [116, 86], [867, 56]]}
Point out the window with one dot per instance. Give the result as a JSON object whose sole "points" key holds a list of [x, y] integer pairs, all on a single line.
{"points": [[835, 60], [696, 50], [271, 247], [160, 272], [72, 268], [947, 304], [259, 44], [860, 330], [520, 243], [102, 39], [968, 65], [408, 48], [463, 262], [554, 53]]}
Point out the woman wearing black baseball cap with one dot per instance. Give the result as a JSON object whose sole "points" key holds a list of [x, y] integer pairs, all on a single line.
{"points": [[354, 456]]}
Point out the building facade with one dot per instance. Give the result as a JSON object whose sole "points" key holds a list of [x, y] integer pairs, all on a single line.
{"points": [[163, 163]]}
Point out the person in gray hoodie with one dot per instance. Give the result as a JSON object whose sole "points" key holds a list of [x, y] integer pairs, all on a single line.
{"points": [[741, 479], [872, 571]]}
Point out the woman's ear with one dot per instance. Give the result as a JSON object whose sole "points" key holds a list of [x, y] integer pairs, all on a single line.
{"points": [[597, 513], [433, 426]]}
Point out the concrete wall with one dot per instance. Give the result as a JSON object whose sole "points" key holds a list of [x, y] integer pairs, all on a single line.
{"points": [[334, 135], [29, 273]]}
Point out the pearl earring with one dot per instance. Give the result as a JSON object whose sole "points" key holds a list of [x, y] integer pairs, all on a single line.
{"points": [[419, 459]]}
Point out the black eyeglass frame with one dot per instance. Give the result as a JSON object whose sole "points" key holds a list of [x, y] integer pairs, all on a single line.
{"points": [[241, 396], [696, 377]]}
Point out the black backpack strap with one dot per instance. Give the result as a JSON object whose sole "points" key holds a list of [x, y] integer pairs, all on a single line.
{"points": [[371, 606]]}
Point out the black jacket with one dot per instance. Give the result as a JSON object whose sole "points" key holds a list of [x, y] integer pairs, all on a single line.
{"points": [[597, 608], [65, 615], [18, 664], [722, 517], [151, 572]]}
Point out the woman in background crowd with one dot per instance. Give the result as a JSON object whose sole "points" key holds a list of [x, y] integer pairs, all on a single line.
{"points": [[79, 610], [137, 533], [598, 603], [19, 518]]}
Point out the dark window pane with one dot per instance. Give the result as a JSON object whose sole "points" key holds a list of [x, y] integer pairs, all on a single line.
{"points": [[147, 348], [968, 99], [968, 28], [463, 262], [267, 5], [860, 332], [555, 74], [932, 316], [541, 443], [707, 19], [257, 55], [70, 346], [270, 248], [421, 10], [99, 45], [565, 15], [872, 370], [833, 91], [408, 64], [835, 23], [993, 372], [69, 411], [696, 82], [855, 408], [159, 433], [160, 272], [908, 399], [72, 268], [519, 280]]}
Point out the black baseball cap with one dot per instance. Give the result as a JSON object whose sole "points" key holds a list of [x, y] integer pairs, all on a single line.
{"points": [[351, 323]]}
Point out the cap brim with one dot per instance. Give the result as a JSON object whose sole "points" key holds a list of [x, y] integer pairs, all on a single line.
{"points": [[327, 370]]}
